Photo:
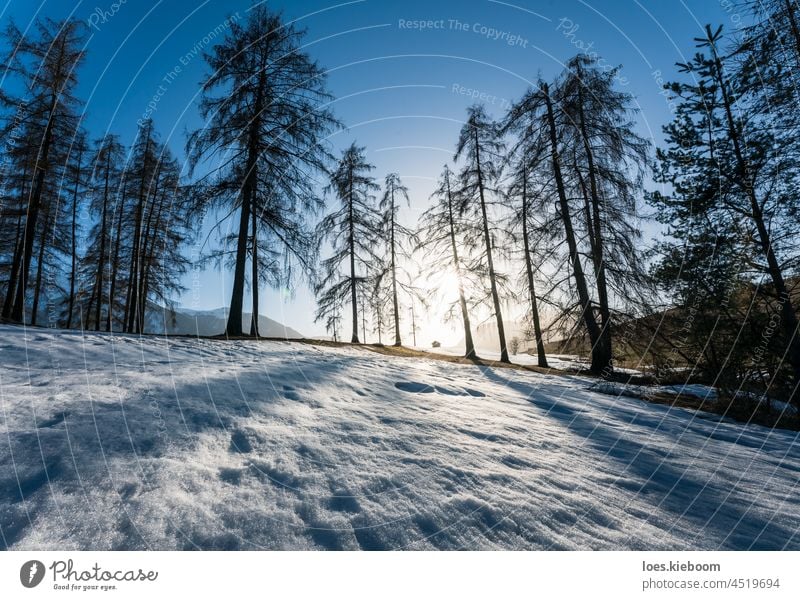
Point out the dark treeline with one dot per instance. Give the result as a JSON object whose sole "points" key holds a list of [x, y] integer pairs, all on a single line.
{"points": [[539, 207], [58, 265]]}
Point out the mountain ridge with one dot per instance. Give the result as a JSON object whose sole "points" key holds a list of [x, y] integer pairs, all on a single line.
{"points": [[210, 322]]}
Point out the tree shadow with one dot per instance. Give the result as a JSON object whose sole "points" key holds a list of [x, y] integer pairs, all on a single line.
{"points": [[710, 507], [70, 453]]}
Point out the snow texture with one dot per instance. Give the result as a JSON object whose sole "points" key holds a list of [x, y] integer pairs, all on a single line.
{"points": [[121, 442]]}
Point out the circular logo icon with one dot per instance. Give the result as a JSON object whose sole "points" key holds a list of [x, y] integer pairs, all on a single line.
{"points": [[31, 573]]}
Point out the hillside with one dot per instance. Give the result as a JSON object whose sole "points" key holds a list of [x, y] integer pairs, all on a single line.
{"points": [[128, 442]]}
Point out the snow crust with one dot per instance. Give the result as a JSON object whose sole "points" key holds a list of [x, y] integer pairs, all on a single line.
{"points": [[120, 442]]}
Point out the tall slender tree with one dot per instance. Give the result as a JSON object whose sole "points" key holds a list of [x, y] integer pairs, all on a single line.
{"points": [[77, 180], [481, 148], [107, 166], [394, 193], [520, 224], [354, 233], [540, 118], [439, 236], [609, 161], [15, 183]]}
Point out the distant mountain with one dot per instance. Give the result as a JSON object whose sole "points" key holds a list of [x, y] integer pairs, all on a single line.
{"points": [[185, 321]]}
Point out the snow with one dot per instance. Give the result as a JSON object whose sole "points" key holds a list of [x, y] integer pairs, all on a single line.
{"points": [[782, 407], [121, 442], [486, 354], [697, 390]]}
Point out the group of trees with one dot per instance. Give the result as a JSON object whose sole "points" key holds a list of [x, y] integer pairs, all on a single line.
{"points": [[539, 207], [369, 250], [552, 189], [730, 262], [89, 231], [571, 140]]}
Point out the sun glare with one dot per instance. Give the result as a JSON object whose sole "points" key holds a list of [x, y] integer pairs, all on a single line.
{"points": [[432, 324]]}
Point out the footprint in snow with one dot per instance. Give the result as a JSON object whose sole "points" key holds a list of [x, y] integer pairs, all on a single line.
{"points": [[127, 491], [231, 476], [290, 394], [344, 503], [239, 443], [53, 421], [415, 387]]}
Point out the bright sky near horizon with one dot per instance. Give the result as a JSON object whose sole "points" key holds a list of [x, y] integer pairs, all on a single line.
{"points": [[402, 73]]}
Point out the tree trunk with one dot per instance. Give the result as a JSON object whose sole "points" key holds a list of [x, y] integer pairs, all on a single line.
{"points": [[395, 303], [13, 282], [591, 218], [352, 242], [234, 326], [492, 280], [115, 263], [8, 302], [595, 231], [101, 262], [600, 361], [145, 253], [537, 327], [133, 280], [73, 241], [462, 301], [133, 277], [254, 319], [149, 259], [39, 270]]}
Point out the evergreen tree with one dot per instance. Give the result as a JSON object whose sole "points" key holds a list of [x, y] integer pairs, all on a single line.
{"points": [[520, 225], [540, 119], [107, 167], [354, 232], [609, 161], [47, 65], [439, 236], [17, 164], [777, 29], [147, 221], [77, 179], [733, 177], [480, 146], [269, 124], [394, 192]]}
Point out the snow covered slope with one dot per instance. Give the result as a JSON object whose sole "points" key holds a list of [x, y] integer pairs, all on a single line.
{"points": [[127, 443]]}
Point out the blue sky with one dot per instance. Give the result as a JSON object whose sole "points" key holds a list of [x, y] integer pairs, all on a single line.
{"points": [[403, 74]]}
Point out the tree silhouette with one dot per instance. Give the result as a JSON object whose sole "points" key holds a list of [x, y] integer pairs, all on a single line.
{"points": [[480, 146], [266, 129], [354, 232]]}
